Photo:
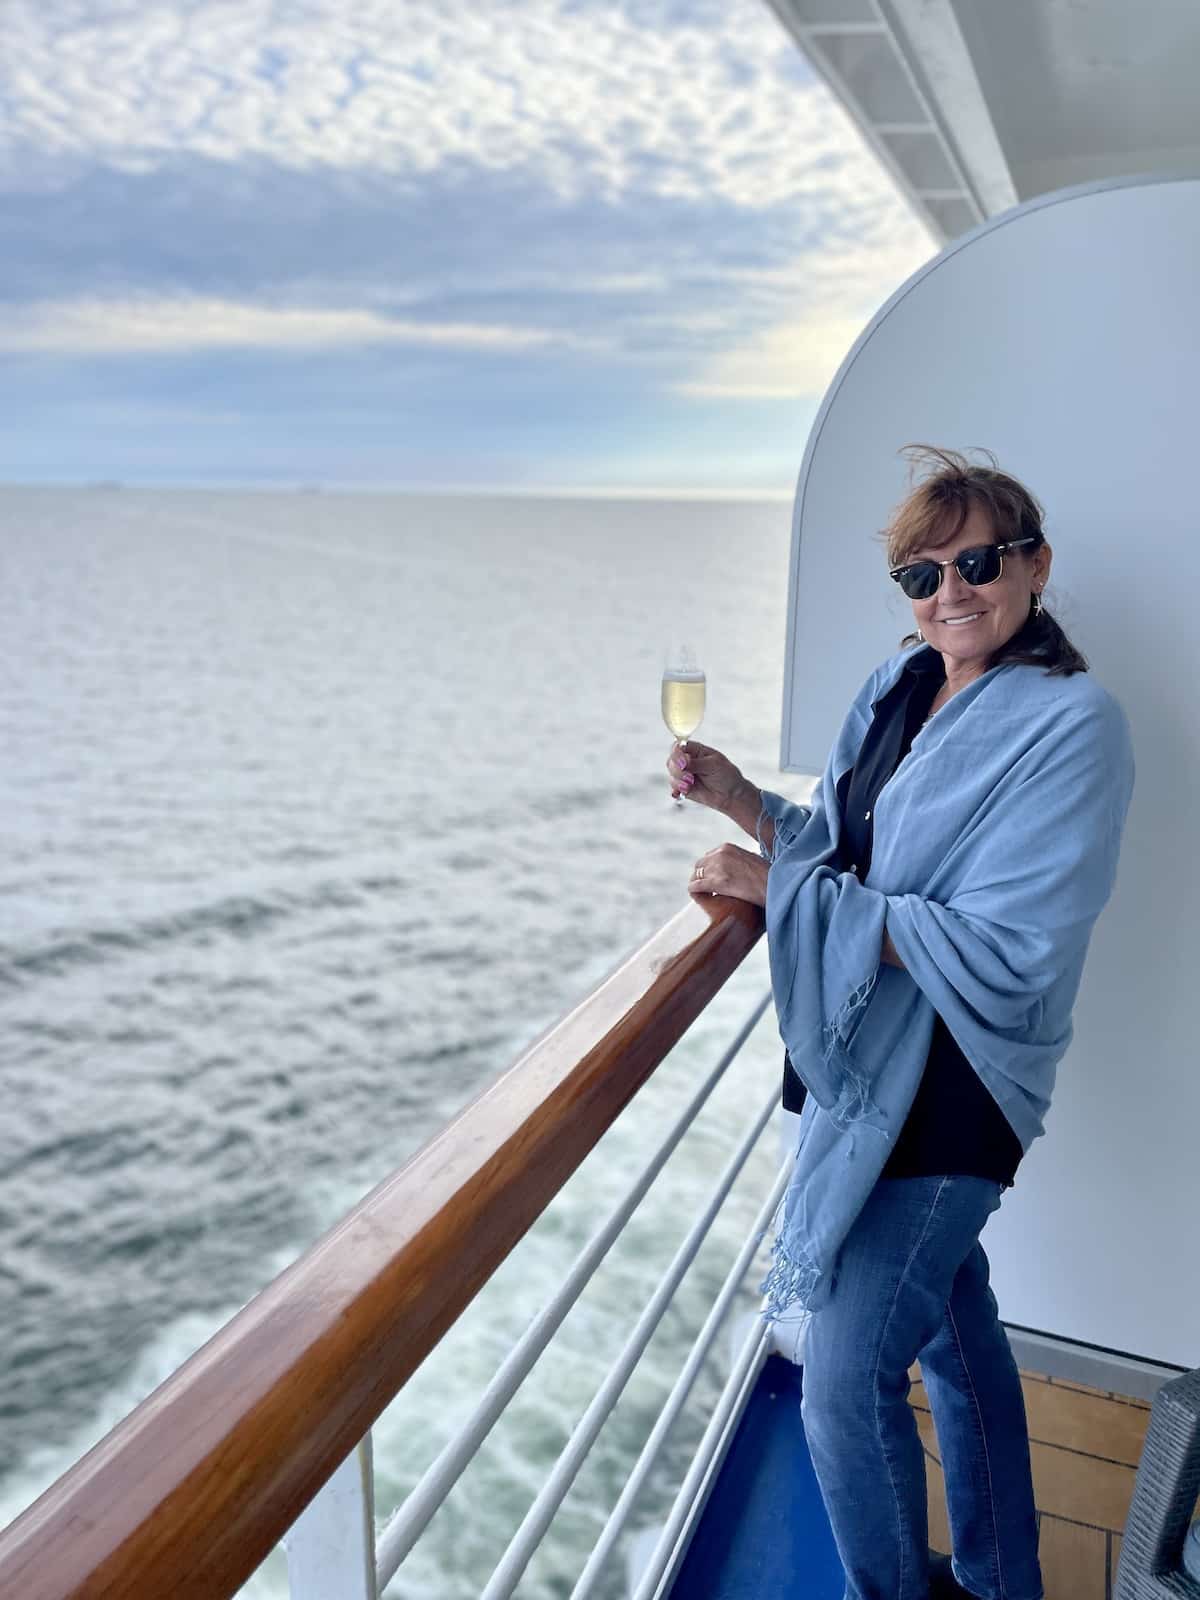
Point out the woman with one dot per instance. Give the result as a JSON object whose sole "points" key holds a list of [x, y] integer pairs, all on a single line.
{"points": [[925, 963]]}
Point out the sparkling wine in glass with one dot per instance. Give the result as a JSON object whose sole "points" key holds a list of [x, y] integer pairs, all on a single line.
{"points": [[683, 690]]}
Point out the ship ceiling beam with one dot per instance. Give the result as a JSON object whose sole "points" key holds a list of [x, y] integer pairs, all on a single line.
{"points": [[903, 71], [975, 105]]}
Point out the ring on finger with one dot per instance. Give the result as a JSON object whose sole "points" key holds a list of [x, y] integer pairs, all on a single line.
{"points": [[699, 872]]}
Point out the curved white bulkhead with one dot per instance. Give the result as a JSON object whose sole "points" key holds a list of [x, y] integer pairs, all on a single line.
{"points": [[1064, 335]]}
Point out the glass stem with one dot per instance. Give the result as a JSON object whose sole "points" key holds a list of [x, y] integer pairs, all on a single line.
{"points": [[678, 800]]}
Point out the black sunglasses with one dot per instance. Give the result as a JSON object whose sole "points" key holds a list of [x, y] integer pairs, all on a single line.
{"points": [[983, 563]]}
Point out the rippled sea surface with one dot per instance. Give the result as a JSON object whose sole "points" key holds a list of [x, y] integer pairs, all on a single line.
{"points": [[316, 809]]}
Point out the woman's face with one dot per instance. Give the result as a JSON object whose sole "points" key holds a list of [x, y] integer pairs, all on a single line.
{"points": [[999, 608]]}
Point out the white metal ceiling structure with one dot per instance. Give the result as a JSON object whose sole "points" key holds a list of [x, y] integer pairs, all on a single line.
{"points": [[974, 105]]}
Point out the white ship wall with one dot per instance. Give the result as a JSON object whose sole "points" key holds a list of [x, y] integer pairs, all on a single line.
{"points": [[1065, 336]]}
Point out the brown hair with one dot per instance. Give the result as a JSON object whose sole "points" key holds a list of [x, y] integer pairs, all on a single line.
{"points": [[933, 513]]}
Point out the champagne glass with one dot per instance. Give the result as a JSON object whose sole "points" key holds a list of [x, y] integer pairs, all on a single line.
{"points": [[683, 690]]}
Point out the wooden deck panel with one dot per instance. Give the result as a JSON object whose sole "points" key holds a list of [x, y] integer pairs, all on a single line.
{"points": [[1084, 1445], [1074, 1559]]}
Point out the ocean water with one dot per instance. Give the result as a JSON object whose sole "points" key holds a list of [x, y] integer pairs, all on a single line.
{"points": [[316, 810]]}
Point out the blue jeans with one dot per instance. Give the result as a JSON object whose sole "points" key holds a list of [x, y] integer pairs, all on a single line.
{"points": [[912, 1282]]}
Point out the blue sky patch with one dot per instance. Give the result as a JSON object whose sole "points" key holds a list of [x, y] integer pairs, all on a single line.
{"points": [[549, 243]]}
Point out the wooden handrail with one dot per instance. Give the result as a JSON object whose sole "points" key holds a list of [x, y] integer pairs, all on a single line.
{"points": [[188, 1494]]}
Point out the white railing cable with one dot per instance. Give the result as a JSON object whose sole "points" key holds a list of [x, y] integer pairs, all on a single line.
{"points": [[424, 1500], [676, 1399], [541, 1513], [705, 1464]]}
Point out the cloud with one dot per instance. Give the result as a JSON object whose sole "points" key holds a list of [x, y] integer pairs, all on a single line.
{"points": [[673, 285], [110, 327], [596, 99], [799, 354], [511, 206], [794, 359]]}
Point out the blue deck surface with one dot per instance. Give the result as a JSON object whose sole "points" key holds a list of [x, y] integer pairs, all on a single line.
{"points": [[764, 1532]]}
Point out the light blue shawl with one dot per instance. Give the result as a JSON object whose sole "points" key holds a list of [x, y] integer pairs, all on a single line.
{"points": [[994, 851]]}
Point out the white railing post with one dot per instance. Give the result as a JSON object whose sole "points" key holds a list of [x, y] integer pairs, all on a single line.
{"points": [[331, 1545]]}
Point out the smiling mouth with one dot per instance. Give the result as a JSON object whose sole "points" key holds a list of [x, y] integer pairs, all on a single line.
{"points": [[971, 616]]}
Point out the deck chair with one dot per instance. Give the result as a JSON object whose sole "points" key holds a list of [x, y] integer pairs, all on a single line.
{"points": [[1164, 1499]]}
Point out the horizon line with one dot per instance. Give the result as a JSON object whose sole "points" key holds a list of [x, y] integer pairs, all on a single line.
{"points": [[531, 491]]}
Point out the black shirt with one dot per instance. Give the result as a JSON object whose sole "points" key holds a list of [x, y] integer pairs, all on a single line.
{"points": [[954, 1123]]}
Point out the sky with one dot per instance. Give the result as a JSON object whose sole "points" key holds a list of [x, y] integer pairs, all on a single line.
{"points": [[593, 244]]}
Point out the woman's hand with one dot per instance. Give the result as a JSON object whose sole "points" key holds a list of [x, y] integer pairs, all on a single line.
{"points": [[705, 776], [733, 871]]}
